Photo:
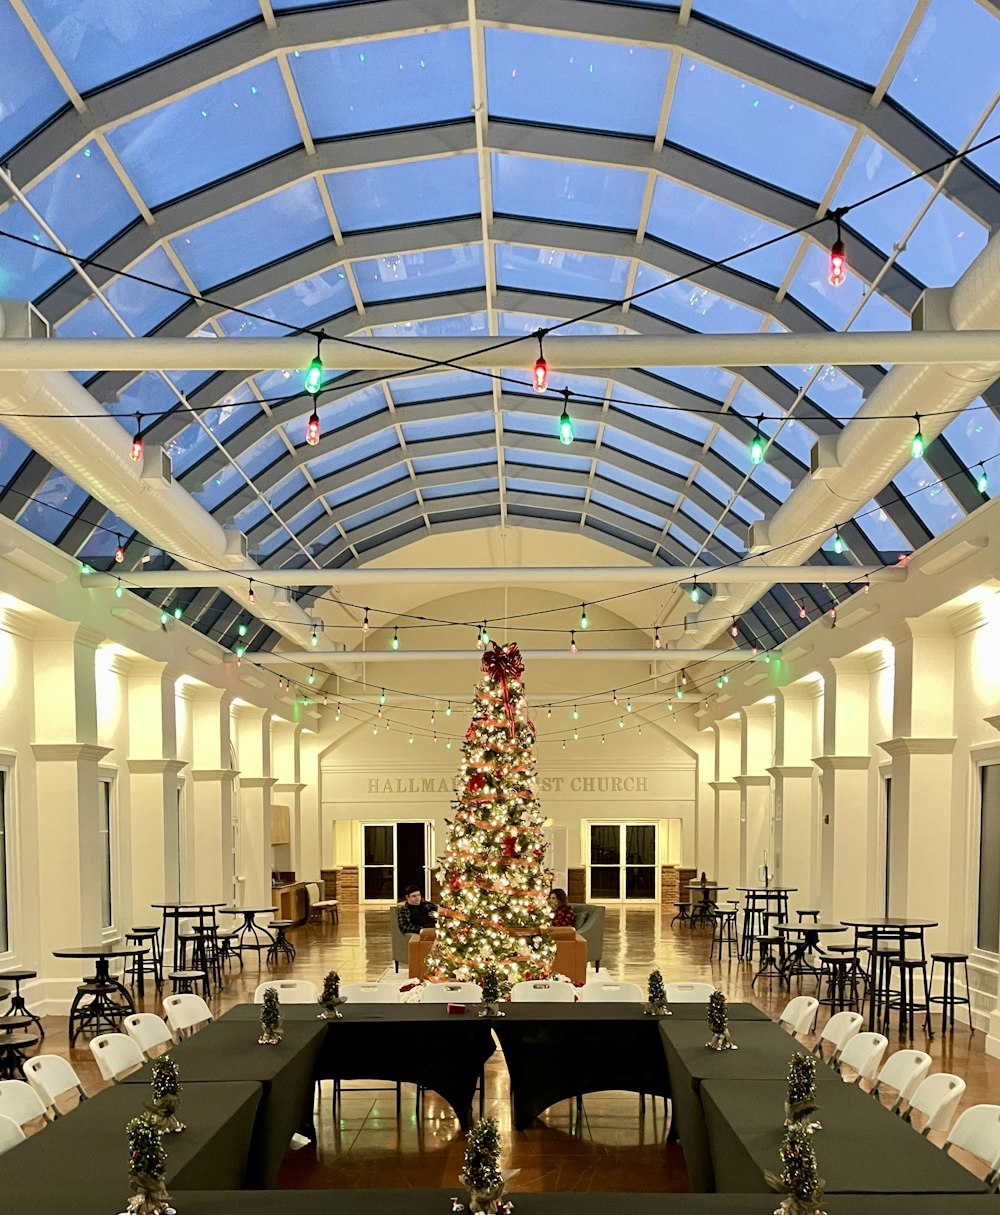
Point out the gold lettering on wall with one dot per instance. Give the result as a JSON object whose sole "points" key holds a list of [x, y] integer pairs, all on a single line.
{"points": [[381, 786]]}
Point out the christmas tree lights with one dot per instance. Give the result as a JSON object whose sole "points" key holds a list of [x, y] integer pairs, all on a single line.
{"points": [[494, 911]]}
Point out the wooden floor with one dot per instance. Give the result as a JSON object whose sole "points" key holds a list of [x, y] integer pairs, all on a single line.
{"points": [[608, 1149]]}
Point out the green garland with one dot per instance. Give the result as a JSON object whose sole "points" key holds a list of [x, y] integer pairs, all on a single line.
{"points": [[270, 1018]]}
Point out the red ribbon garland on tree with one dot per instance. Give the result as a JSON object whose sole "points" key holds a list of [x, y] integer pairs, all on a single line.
{"points": [[504, 663]]}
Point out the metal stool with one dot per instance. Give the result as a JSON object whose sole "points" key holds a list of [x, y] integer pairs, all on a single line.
{"points": [[282, 945], [142, 963], [13, 1044], [682, 914], [812, 911], [724, 932], [769, 965], [100, 1012], [755, 918], [227, 953], [860, 975], [155, 948], [948, 999], [18, 1008], [206, 951], [184, 981], [904, 999], [883, 955], [840, 973]]}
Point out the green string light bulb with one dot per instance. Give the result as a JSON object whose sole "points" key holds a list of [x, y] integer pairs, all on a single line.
{"points": [[757, 444], [983, 480], [584, 622], [566, 432], [838, 542], [695, 593], [241, 628], [314, 373], [917, 445]]}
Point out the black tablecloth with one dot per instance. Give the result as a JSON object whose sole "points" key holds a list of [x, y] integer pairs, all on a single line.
{"points": [[862, 1148], [228, 1050], [555, 1051], [416, 1043], [699, 1012], [85, 1156], [763, 1052]]}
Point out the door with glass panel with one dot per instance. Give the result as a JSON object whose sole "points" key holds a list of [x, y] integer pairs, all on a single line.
{"points": [[622, 862], [394, 856]]}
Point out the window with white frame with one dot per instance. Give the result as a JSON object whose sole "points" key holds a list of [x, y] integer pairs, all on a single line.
{"points": [[988, 925], [4, 861], [108, 839]]}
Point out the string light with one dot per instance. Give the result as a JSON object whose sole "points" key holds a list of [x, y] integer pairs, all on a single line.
{"points": [[584, 622], [314, 638], [657, 643], [917, 443], [838, 541], [802, 610], [364, 623], [564, 744], [447, 711], [250, 593], [312, 429], [540, 374], [983, 480], [314, 373], [695, 592], [866, 589], [576, 713], [395, 638], [548, 713], [178, 611], [312, 678], [838, 257], [621, 723], [119, 552], [135, 449], [484, 635], [119, 589], [572, 641], [240, 649], [684, 677], [576, 735], [336, 716], [603, 740], [242, 628], [479, 639], [614, 698], [757, 444], [566, 431], [734, 629], [164, 616], [433, 716], [381, 698]]}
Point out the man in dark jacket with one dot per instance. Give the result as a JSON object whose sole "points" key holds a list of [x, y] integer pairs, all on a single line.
{"points": [[414, 913]]}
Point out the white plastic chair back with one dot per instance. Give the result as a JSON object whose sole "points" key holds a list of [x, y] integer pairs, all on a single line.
{"points": [[10, 1134], [315, 893], [611, 993], [533, 991], [369, 993], [290, 991], [903, 1071], [937, 1097], [18, 1100], [799, 1014], [839, 1030], [115, 1054], [147, 1031], [51, 1076], [688, 993], [978, 1131], [452, 993], [864, 1053], [184, 1011]]}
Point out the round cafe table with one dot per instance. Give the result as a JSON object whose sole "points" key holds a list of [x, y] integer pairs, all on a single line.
{"points": [[102, 1011], [881, 930], [799, 940], [703, 909], [763, 901], [204, 913], [253, 930]]}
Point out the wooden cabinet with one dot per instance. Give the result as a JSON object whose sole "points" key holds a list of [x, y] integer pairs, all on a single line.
{"points": [[291, 901], [281, 830]]}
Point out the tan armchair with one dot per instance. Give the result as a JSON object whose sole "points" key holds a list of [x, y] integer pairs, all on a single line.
{"points": [[571, 954]]}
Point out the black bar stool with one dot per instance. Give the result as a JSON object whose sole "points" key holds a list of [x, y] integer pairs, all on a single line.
{"points": [[905, 998], [770, 966], [755, 914], [682, 914], [812, 912], [948, 999], [839, 971], [184, 981], [724, 932], [155, 948], [281, 946], [18, 1008], [226, 938], [143, 963]]}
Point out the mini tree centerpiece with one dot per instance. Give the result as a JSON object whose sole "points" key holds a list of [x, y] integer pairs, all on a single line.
{"points": [[718, 1022], [798, 1181], [270, 1019], [481, 1170], [801, 1099], [166, 1096], [331, 999], [656, 1002], [146, 1168], [490, 984]]}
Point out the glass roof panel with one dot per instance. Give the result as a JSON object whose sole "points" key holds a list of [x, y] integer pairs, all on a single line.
{"points": [[378, 512], [13, 453], [255, 235], [352, 453], [682, 537], [386, 83], [446, 428], [468, 324], [369, 484], [929, 498], [92, 319], [988, 158], [544, 459], [458, 459], [287, 488], [345, 411], [432, 272], [690, 425], [301, 305], [483, 486], [262, 454], [879, 314], [65, 199], [557, 272], [568, 82], [410, 192], [811, 287], [512, 323], [948, 74], [29, 95], [143, 307], [880, 530], [765, 135], [207, 135], [248, 518], [854, 37], [716, 530], [713, 229], [558, 489], [883, 220], [692, 306], [533, 424], [944, 244], [974, 436], [101, 42], [436, 386], [831, 390], [25, 271], [54, 504], [656, 457], [591, 195], [642, 485], [219, 486], [632, 511], [711, 382]]}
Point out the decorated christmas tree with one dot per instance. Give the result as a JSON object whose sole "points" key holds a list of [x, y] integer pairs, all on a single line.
{"points": [[494, 909], [481, 1169], [718, 1022], [166, 1095], [656, 994], [146, 1167], [798, 1179], [270, 1018], [801, 1099]]}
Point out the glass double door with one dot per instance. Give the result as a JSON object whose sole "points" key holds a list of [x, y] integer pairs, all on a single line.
{"points": [[622, 862], [396, 855]]}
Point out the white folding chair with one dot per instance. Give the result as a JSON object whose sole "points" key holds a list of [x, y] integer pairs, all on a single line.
{"points": [[838, 1031], [978, 1131], [864, 1053], [115, 1055], [611, 993], [148, 1031], [799, 1014], [369, 993], [10, 1134], [902, 1071], [185, 1011], [18, 1100], [452, 993], [936, 1098], [532, 991], [689, 993], [290, 991], [51, 1076]]}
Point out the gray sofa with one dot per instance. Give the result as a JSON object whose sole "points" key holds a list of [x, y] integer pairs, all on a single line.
{"points": [[590, 926], [400, 940]]}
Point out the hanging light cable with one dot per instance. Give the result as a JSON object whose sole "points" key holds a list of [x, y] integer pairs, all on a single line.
{"points": [[838, 256], [540, 375]]}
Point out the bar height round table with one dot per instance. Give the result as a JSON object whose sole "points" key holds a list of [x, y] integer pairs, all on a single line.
{"points": [[884, 929], [703, 909], [253, 930], [204, 913], [799, 940], [759, 900], [103, 1010]]}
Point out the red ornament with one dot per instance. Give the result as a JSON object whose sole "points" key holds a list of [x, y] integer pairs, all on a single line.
{"points": [[509, 845], [475, 782]]}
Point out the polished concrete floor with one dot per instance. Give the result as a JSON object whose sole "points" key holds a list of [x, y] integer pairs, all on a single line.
{"points": [[608, 1148]]}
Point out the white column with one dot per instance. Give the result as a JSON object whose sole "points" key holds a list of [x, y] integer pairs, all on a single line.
{"points": [[794, 809], [756, 756], [310, 839], [212, 791], [253, 749], [286, 739], [727, 803]]}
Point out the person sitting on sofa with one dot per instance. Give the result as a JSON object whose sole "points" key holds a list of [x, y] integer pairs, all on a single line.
{"points": [[414, 913], [565, 914]]}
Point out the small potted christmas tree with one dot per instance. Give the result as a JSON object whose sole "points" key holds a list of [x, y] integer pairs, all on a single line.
{"points": [[656, 1002], [801, 1099], [490, 984], [718, 1022], [146, 1169], [481, 1170], [798, 1180], [270, 1019], [331, 999], [166, 1096]]}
